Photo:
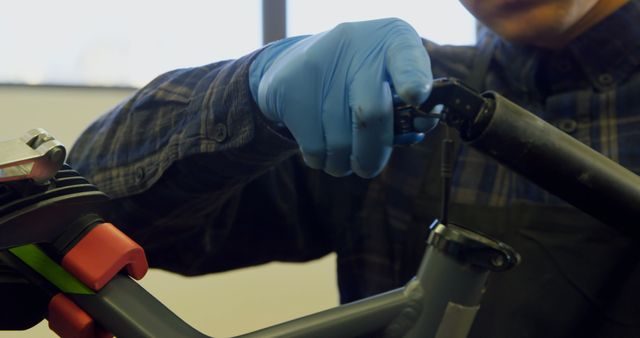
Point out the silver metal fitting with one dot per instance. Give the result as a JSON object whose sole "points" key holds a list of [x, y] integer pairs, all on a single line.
{"points": [[36, 155]]}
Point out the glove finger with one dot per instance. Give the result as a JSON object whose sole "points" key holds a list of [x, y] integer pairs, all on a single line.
{"points": [[336, 120], [408, 65], [307, 129], [372, 118], [284, 96], [425, 124], [310, 138], [407, 139]]}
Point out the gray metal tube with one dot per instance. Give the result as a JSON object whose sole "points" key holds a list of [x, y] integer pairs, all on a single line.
{"points": [[452, 293], [129, 311], [560, 164], [452, 277], [349, 320]]}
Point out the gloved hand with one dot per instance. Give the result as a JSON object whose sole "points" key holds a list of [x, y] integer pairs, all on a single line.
{"points": [[333, 91]]}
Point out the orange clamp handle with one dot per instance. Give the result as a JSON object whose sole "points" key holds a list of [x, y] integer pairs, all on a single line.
{"points": [[69, 321], [102, 253]]}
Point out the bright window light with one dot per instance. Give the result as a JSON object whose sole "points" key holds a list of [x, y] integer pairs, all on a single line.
{"points": [[120, 42], [441, 21]]}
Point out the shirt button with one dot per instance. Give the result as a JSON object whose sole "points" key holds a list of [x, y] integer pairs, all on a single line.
{"points": [[140, 174], [605, 79], [567, 125], [219, 132]]}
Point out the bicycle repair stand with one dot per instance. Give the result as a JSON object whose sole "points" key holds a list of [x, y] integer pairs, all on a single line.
{"points": [[51, 234]]}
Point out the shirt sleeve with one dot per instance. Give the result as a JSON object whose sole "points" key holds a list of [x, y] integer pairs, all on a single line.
{"points": [[182, 113], [199, 178]]}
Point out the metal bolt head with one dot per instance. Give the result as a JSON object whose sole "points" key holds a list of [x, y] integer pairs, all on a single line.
{"points": [[57, 155], [220, 132]]}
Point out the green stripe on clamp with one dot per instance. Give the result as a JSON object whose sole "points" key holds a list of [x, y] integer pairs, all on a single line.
{"points": [[35, 258]]}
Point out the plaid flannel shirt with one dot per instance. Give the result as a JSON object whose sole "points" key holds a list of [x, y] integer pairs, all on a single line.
{"points": [[206, 184]]}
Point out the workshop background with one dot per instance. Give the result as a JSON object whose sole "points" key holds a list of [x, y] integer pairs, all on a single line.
{"points": [[63, 63]]}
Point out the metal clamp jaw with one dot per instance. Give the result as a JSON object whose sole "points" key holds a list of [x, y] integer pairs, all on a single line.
{"points": [[473, 248], [36, 155], [462, 108]]}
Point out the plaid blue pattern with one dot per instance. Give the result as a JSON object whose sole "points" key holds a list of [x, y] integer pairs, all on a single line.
{"points": [[588, 90], [205, 184]]}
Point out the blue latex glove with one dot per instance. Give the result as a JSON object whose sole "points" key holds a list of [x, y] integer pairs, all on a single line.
{"points": [[332, 91]]}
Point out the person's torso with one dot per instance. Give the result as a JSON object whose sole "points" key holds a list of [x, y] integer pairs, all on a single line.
{"points": [[577, 274]]}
